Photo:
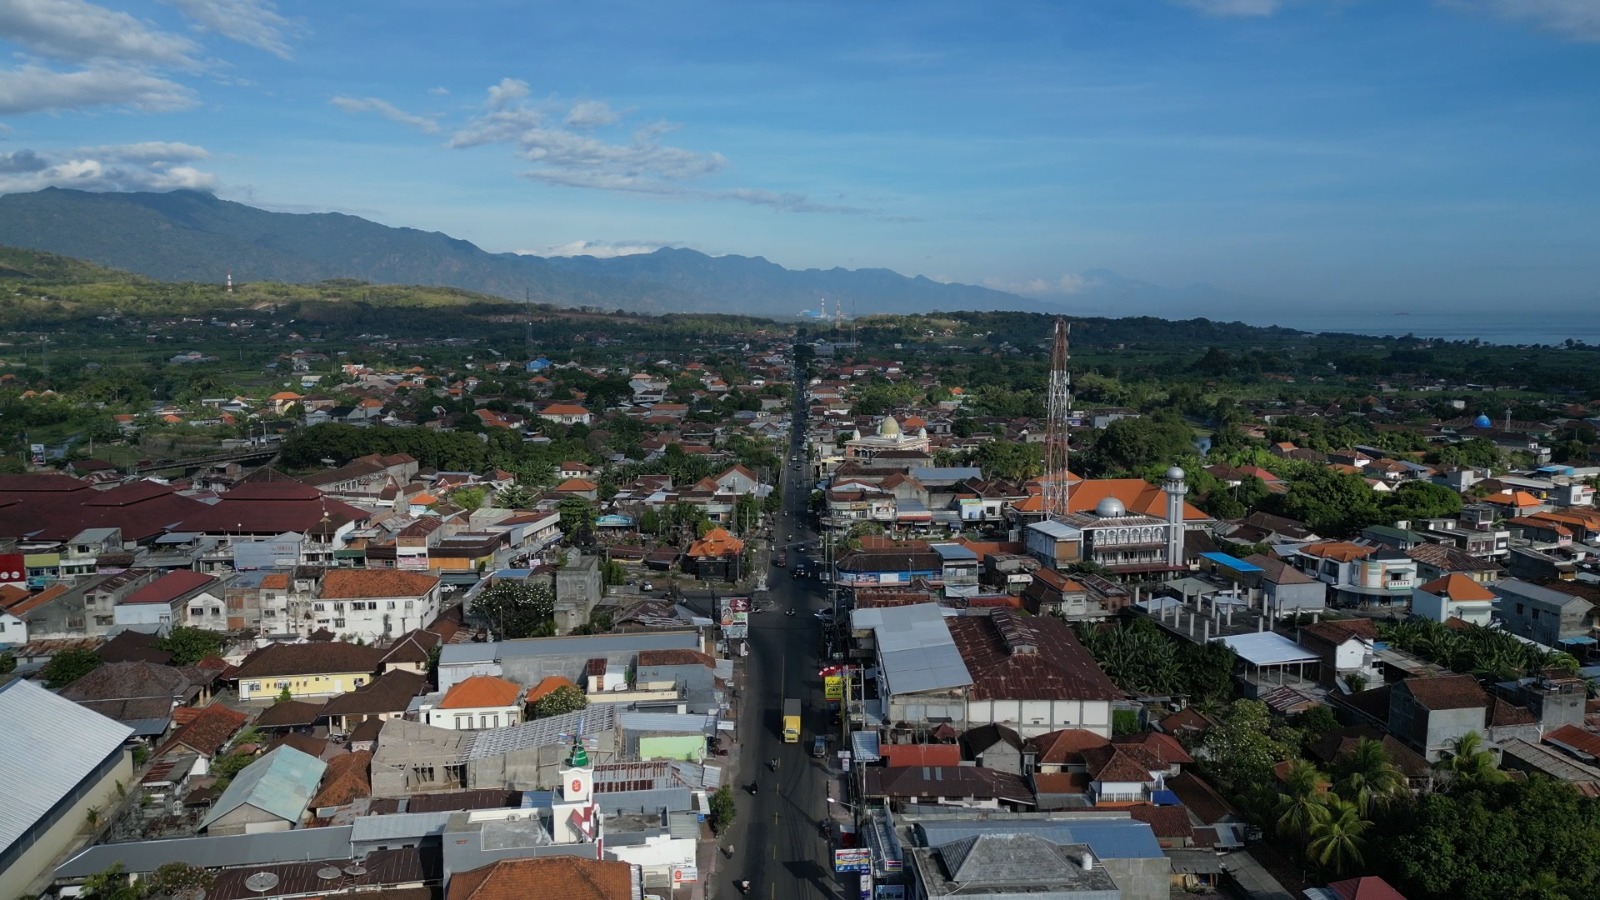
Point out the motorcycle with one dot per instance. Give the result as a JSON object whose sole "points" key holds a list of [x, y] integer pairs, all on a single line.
{"points": [[790, 612], [744, 885]]}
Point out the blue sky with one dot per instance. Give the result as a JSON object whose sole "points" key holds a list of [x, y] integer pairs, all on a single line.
{"points": [[1345, 153]]}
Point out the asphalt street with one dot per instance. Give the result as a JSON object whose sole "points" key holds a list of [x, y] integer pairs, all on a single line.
{"points": [[776, 843]]}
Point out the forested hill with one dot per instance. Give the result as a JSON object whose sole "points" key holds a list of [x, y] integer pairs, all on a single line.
{"points": [[193, 236]]}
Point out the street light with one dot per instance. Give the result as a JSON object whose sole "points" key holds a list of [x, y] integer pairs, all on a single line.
{"points": [[843, 804]]}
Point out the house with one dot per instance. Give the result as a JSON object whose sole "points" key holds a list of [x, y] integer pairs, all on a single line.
{"points": [[48, 795], [482, 701], [179, 597], [567, 877], [1031, 674], [1435, 561], [1359, 574], [1344, 647], [374, 604], [566, 414], [386, 697], [967, 786], [1367, 887], [1545, 615], [140, 695], [204, 735], [921, 676], [270, 794], [1430, 714], [717, 555], [1453, 596], [322, 669]]}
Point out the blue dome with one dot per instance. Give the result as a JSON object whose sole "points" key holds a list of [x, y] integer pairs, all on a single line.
{"points": [[1482, 421]]}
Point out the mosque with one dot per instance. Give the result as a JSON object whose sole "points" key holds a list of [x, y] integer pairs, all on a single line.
{"points": [[889, 436]]}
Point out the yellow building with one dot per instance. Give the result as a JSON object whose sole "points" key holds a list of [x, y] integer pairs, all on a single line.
{"points": [[316, 669]]}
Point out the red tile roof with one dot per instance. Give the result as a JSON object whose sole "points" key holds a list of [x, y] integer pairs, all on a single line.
{"points": [[1574, 738], [208, 731], [898, 755], [567, 877], [481, 691], [549, 684], [1446, 692], [276, 660], [1369, 887], [1065, 747], [1458, 587], [362, 584]]}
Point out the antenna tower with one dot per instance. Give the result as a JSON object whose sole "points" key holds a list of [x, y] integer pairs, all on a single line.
{"points": [[1055, 442]]}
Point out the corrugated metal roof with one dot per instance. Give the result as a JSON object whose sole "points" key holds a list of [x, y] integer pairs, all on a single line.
{"points": [[670, 722], [281, 783], [36, 719], [915, 647], [592, 722], [578, 645], [398, 826], [139, 857], [1267, 648], [1108, 838]]}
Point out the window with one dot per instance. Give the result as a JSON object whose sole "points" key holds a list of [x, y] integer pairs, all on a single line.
{"points": [[391, 604], [1519, 609], [360, 682], [319, 607], [483, 720]]}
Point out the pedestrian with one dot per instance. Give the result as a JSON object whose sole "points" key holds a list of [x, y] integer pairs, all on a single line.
{"points": [[730, 851]]}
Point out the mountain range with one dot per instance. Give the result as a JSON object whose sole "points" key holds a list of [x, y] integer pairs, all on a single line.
{"points": [[194, 236]]}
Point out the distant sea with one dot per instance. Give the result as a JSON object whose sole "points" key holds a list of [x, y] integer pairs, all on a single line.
{"points": [[1541, 327]]}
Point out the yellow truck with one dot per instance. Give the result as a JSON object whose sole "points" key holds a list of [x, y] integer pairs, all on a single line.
{"points": [[791, 721]]}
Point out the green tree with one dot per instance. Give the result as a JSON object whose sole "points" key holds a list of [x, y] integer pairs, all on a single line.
{"points": [[1415, 500], [578, 518], [650, 520], [188, 645], [514, 496], [285, 695], [1367, 777], [1332, 503], [1129, 445], [8, 662], [68, 666], [1337, 842], [517, 609], [723, 810], [564, 699], [112, 884], [470, 499], [1470, 764], [1302, 802], [1242, 749]]}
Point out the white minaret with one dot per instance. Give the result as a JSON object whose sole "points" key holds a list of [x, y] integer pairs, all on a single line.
{"points": [[574, 816], [1175, 488], [230, 281]]}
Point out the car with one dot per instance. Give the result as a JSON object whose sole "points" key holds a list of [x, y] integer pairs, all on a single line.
{"points": [[782, 560], [797, 572], [647, 587], [825, 615], [819, 747]]}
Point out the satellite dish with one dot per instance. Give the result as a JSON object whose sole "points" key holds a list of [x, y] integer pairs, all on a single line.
{"points": [[328, 873], [355, 869], [261, 882]]}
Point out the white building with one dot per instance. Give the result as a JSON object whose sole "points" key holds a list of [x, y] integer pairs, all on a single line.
{"points": [[373, 604], [479, 702], [1455, 596]]}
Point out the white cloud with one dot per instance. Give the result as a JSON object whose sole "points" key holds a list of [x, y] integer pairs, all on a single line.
{"points": [[439, 92], [1065, 285], [76, 31], [387, 110], [1577, 20], [507, 92], [592, 114], [569, 155], [597, 249], [255, 23], [150, 166], [34, 89], [1235, 8]]}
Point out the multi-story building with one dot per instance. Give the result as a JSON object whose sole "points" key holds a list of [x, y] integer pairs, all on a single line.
{"points": [[1359, 574]]}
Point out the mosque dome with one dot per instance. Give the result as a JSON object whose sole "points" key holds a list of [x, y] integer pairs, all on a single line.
{"points": [[888, 427], [1110, 508], [1482, 421]]}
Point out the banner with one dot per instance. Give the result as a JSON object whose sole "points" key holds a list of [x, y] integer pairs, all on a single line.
{"points": [[833, 687], [853, 859]]}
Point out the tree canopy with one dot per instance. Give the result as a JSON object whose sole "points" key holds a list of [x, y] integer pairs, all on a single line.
{"points": [[517, 609]]}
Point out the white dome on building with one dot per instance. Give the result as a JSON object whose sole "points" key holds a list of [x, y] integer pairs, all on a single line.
{"points": [[1175, 474], [888, 427], [1110, 508]]}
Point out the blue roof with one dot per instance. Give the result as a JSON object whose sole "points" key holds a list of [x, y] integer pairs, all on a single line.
{"points": [[949, 552], [1165, 798], [281, 783], [1238, 565]]}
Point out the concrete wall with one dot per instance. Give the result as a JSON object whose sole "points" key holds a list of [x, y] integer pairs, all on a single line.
{"points": [[1296, 597], [248, 820], [1141, 879], [1031, 718], [52, 838]]}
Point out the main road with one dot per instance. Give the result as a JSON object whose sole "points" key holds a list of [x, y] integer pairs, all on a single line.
{"points": [[776, 842]]}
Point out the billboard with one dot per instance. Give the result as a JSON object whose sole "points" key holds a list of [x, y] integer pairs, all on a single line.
{"points": [[36, 454], [833, 687], [853, 859], [13, 569], [971, 509]]}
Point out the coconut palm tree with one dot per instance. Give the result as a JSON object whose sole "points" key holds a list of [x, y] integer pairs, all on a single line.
{"points": [[1336, 840], [1470, 765], [1367, 777], [1300, 803]]}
